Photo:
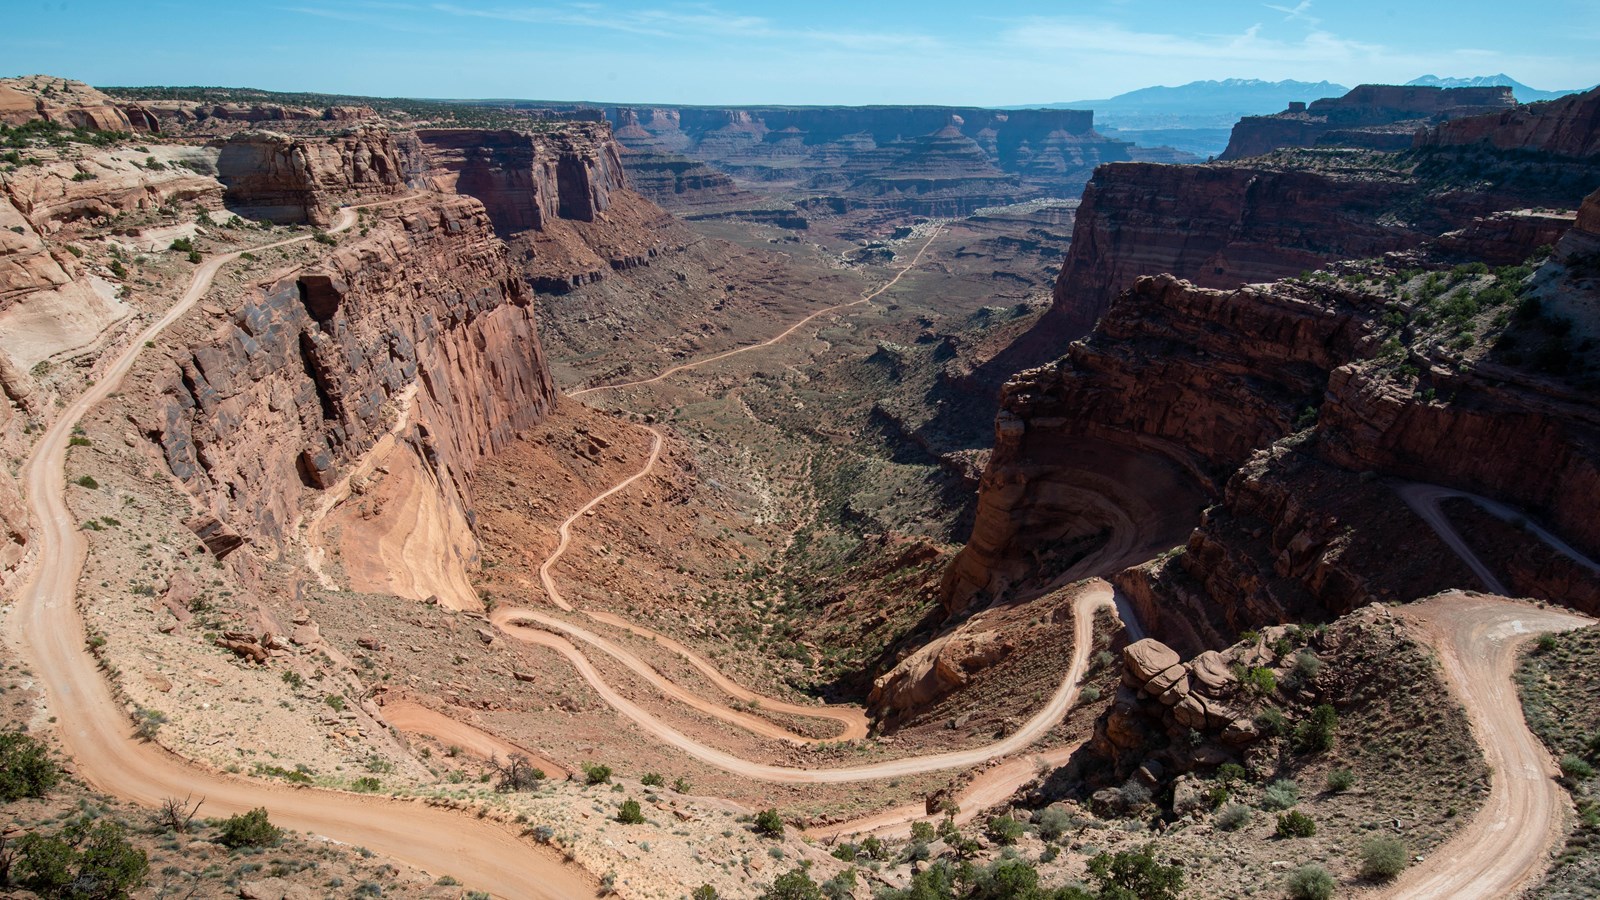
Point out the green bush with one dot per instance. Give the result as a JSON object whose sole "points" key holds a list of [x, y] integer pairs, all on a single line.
{"points": [[1294, 823], [769, 823], [704, 892], [1382, 857], [1341, 780], [630, 813], [1234, 816], [1310, 882], [793, 885], [251, 829], [1052, 822], [596, 773], [366, 784], [1136, 874], [1281, 794], [1259, 681], [86, 481], [26, 769], [84, 862], [1005, 879], [1315, 734], [1004, 830], [651, 779], [1576, 767], [182, 245], [922, 832]]}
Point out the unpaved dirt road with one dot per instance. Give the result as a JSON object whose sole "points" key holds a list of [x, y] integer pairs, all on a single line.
{"points": [[1507, 844], [96, 733], [776, 338], [1094, 596]]}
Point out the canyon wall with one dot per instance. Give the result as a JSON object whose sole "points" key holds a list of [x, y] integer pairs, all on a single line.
{"points": [[559, 198], [1372, 116], [298, 179], [1132, 432], [301, 380], [1568, 126]]}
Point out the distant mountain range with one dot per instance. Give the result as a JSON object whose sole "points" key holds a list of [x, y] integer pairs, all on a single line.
{"points": [[1522, 92]]}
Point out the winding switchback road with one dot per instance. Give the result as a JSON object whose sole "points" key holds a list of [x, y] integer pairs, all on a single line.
{"points": [[97, 734]]}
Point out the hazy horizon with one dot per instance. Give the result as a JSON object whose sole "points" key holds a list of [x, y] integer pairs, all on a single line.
{"points": [[830, 52]]}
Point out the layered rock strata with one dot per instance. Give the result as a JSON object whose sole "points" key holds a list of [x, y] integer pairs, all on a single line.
{"points": [[1372, 116], [303, 378], [298, 179]]}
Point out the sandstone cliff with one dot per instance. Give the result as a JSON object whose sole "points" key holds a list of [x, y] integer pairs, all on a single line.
{"points": [[305, 377], [559, 198], [1569, 126], [1373, 116], [298, 179], [65, 102]]}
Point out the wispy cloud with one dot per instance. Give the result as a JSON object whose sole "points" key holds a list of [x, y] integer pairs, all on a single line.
{"points": [[691, 22], [1300, 12], [1249, 46]]}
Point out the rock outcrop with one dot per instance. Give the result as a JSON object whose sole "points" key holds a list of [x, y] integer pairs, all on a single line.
{"points": [[72, 104], [299, 381], [559, 198], [1372, 116], [1124, 439], [1568, 126], [297, 179]]}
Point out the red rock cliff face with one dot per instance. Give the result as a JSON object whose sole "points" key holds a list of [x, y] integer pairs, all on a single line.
{"points": [[1129, 434], [298, 381], [1376, 116], [296, 179], [1217, 226], [1568, 126], [559, 198]]}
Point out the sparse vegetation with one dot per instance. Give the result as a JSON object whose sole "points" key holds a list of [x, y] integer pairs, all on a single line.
{"points": [[1310, 882], [769, 823], [1383, 857], [251, 829], [596, 773], [26, 769], [630, 813], [1295, 824]]}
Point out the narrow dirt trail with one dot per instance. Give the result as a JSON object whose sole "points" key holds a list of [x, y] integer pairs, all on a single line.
{"points": [[776, 338], [1507, 844], [1097, 595], [96, 733]]}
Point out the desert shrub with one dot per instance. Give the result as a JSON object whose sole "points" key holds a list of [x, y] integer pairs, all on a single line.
{"points": [[841, 886], [251, 829], [681, 784], [1315, 734], [1294, 823], [1341, 780], [1234, 816], [874, 848], [922, 832], [182, 245], [1576, 767], [1382, 857], [366, 784], [630, 813], [769, 823], [515, 774], [596, 773], [651, 779], [1281, 794], [704, 892], [1136, 873], [1004, 830], [1271, 721], [1310, 882], [1005, 879], [83, 862], [1259, 681], [1135, 794], [26, 769], [1052, 822], [795, 884], [86, 481], [1307, 665]]}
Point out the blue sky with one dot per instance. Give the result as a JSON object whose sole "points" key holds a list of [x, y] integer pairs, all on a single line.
{"points": [[815, 51]]}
